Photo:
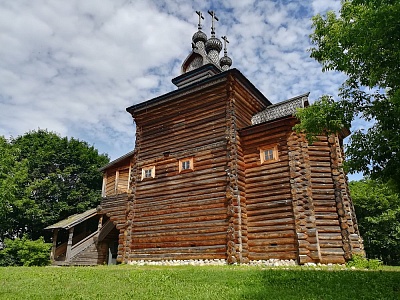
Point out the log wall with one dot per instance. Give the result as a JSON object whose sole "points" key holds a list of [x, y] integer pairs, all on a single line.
{"points": [[181, 215], [116, 181], [198, 213], [352, 241], [304, 206], [229, 205], [116, 208], [270, 219], [323, 194], [241, 106]]}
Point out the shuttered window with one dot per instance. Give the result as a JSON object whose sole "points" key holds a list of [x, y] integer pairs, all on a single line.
{"points": [[110, 184], [123, 181]]}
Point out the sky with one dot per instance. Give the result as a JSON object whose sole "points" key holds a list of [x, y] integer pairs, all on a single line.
{"points": [[72, 67]]}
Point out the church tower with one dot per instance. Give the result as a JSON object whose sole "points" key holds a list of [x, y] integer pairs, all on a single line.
{"points": [[205, 52]]}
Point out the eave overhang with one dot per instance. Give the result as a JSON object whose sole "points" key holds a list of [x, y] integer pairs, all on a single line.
{"points": [[73, 220], [194, 86], [117, 161]]}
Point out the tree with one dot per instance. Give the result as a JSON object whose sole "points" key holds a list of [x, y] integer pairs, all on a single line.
{"points": [[51, 178], [13, 177], [363, 42], [378, 215]]}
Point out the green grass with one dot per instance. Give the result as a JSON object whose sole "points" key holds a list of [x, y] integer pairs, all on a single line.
{"points": [[190, 282]]}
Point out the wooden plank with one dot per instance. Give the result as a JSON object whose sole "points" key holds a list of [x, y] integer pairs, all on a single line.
{"points": [[177, 256], [271, 216], [286, 255], [274, 228], [272, 235], [289, 247], [264, 208]]}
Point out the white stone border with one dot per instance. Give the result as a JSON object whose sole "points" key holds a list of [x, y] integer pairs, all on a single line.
{"points": [[213, 262]]}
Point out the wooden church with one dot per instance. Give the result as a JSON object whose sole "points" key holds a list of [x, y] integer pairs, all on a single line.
{"points": [[217, 173]]}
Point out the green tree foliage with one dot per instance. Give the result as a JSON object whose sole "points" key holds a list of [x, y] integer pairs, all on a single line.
{"points": [[363, 42], [378, 215], [13, 180], [44, 179], [25, 252], [326, 114]]}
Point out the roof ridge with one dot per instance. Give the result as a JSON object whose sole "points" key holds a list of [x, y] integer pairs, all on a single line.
{"points": [[289, 100]]}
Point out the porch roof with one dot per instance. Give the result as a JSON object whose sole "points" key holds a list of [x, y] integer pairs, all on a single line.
{"points": [[73, 220]]}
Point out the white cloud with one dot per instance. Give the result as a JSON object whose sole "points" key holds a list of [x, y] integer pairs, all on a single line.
{"points": [[322, 6], [74, 66]]}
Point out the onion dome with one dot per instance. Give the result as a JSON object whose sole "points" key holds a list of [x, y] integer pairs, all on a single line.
{"points": [[213, 44], [199, 36], [225, 62]]}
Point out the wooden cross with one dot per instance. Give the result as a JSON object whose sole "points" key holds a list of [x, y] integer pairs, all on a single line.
{"points": [[200, 17], [213, 17], [225, 41]]}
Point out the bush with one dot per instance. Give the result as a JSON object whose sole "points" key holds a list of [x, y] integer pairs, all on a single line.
{"points": [[25, 252], [360, 261], [378, 214]]}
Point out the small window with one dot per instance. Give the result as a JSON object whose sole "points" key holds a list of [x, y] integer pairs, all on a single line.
{"points": [[269, 154], [186, 164], [148, 172]]}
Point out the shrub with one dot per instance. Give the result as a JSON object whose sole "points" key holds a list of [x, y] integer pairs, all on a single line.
{"points": [[360, 261], [25, 252]]}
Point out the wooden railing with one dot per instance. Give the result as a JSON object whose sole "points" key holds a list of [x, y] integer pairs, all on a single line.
{"points": [[83, 244], [107, 227], [91, 239], [60, 250]]}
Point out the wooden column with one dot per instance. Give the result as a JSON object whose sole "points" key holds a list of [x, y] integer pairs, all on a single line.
{"points": [[100, 223], [303, 206], [69, 243], [54, 247], [104, 187]]}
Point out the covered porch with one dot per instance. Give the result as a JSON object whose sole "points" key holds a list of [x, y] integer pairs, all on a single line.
{"points": [[88, 238]]}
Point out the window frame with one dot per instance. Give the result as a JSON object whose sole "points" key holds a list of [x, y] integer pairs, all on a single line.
{"points": [[275, 156], [152, 170], [184, 160]]}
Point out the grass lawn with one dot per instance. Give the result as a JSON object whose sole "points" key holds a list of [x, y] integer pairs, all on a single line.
{"points": [[196, 282]]}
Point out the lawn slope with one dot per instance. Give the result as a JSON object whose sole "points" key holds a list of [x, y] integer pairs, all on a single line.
{"points": [[190, 282]]}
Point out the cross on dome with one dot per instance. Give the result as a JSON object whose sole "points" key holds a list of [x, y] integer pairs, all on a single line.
{"points": [[213, 17], [206, 50], [225, 42], [200, 17]]}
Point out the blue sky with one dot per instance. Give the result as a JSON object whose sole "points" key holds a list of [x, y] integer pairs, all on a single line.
{"points": [[74, 66]]}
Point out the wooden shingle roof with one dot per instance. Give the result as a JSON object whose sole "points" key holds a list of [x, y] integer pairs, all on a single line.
{"points": [[281, 109], [73, 220]]}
